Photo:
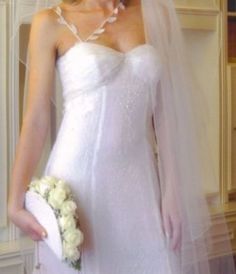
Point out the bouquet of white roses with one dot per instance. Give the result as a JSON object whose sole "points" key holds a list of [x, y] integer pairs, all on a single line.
{"points": [[51, 201]]}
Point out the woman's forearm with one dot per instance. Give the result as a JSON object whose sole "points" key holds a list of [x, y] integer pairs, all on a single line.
{"points": [[28, 152]]}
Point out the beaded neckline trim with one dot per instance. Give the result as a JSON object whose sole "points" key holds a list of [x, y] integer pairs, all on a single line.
{"points": [[98, 31]]}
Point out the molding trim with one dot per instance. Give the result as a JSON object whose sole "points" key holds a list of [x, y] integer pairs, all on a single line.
{"points": [[16, 257], [198, 18], [13, 101], [198, 11], [3, 116], [225, 112]]}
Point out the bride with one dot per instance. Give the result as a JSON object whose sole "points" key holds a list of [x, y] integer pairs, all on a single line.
{"points": [[125, 94]]}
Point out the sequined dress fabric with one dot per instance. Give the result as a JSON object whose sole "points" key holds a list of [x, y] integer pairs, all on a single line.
{"points": [[104, 149]]}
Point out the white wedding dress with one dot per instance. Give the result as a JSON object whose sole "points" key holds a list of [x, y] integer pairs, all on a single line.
{"points": [[104, 149]]}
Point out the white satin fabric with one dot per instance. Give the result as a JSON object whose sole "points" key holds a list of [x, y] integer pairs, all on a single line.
{"points": [[104, 149]]}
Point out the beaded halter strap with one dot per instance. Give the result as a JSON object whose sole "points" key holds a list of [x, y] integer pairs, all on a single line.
{"points": [[95, 34]]}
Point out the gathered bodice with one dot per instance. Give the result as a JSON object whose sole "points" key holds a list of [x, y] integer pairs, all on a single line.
{"points": [[87, 66]]}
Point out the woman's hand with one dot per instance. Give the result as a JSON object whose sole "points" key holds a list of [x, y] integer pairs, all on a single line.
{"points": [[172, 224], [27, 223]]}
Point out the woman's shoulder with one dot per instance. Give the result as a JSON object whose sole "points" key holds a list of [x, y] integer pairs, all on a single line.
{"points": [[45, 18], [43, 31], [44, 24]]}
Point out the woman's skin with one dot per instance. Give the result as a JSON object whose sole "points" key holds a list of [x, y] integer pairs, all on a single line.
{"points": [[48, 40]]}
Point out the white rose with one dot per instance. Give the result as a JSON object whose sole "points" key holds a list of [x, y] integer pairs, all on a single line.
{"points": [[50, 181], [44, 187], [64, 185], [68, 207], [73, 236], [56, 197], [34, 184], [70, 252], [67, 222]]}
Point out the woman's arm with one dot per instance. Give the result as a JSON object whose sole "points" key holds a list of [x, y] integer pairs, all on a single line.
{"points": [[36, 120]]}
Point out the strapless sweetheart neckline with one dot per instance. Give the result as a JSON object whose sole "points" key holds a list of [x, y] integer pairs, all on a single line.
{"points": [[111, 50]]}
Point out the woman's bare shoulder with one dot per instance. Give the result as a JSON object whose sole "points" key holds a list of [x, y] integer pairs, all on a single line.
{"points": [[45, 17], [45, 21], [44, 28]]}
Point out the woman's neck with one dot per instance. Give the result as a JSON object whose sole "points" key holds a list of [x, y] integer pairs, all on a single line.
{"points": [[98, 4]]}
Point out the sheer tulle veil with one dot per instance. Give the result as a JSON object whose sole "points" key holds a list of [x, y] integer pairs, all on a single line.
{"points": [[181, 118]]}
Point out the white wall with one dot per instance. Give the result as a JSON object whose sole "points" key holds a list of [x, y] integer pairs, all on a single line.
{"points": [[203, 49]]}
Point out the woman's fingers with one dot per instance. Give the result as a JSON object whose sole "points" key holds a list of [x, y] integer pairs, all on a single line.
{"points": [[34, 235], [28, 223], [177, 232], [172, 222], [167, 226], [38, 229]]}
